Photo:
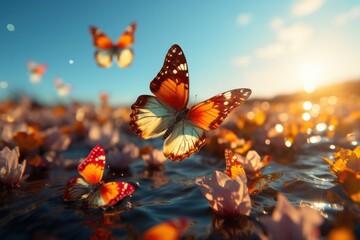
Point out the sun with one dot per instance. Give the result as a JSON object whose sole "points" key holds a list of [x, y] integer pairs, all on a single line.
{"points": [[311, 74]]}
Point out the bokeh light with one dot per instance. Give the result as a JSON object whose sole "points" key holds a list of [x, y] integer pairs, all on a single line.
{"points": [[10, 27]]}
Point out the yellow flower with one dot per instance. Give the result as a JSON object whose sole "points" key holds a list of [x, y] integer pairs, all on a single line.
{"points": [[347, 168]]}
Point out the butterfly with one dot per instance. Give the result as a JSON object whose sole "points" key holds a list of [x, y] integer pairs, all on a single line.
{"points": [[166, 114], [91, 188], [235, 168], [62, 89], [36, 71], [107, 50]]}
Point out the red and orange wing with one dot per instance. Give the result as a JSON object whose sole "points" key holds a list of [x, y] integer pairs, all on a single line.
{"points": [[233, 166], [104, 54], [171, 85], [127, 38], [109, 194], [100, 40], [92, 168], [211, 113]]}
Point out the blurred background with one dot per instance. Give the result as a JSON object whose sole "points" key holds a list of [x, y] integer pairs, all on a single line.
{"points": [[275, 47]]}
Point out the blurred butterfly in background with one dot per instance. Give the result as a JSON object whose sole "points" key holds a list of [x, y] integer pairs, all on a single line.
{"points": [[255, 185], [62, 89], [36, 71], [166, 114], [91, 188], [106, 50]]}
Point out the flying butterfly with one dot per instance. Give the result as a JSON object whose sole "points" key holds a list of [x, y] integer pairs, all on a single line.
{"points": [[62, 88], [107, 50], [255, 185], [90, 186], [36, 71], [166, 114]]}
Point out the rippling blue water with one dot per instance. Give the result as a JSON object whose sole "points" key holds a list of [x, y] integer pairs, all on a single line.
{"points": [[36, 210]]}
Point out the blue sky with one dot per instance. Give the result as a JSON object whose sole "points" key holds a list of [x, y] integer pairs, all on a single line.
{"points": [[273, 47]]}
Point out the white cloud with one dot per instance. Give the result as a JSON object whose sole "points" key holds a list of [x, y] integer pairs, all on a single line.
{"points": [[346, 17], [276, 23], [244, 19], [289, 39], [295, 36], [242, 61], [271, 51], [305, 7]]}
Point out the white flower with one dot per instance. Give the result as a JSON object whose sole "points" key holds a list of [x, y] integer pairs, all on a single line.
{"points": [[120, 158], [153, 158], [106, 135], [56, 140], [227, 197], [288, 222], [11, 172], [252, 163]]}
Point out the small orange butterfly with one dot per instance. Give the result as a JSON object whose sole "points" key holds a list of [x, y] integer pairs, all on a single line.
{"points": [[107, 50], [62, 88], [255, 185], [233, 166], [36, 71], [166, 114], [90, 187]]}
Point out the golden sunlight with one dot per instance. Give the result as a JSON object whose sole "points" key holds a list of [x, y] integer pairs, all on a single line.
{"points": [[310, 74]]}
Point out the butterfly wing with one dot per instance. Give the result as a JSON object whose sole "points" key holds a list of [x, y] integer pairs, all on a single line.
{"points": [[186, 139], [104, 57], [105, 51], [109, 194], [151, 117], [92, 168], [171, 85], [77, 189], [210, 113], [124, 56], [100, 40], [233, 166], [258, 184], [127, 38]]}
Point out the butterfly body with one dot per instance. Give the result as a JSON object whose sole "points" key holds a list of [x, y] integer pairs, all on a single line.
{"points": [[166, 114], [107, 51], [179, 116], [90, 186]]}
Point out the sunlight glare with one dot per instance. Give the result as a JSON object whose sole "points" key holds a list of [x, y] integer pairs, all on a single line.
{"points": [[310, 75]]}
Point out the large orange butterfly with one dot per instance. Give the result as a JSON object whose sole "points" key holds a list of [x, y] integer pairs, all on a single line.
{"points": [[90, 187], [36, 71], [166, 114], [107, 50]]}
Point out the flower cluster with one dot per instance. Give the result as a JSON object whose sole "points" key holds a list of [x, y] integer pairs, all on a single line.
{"points": [[347, 169]]}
